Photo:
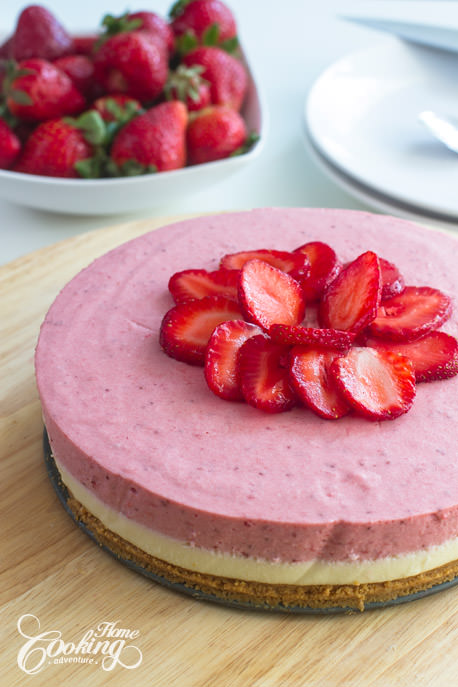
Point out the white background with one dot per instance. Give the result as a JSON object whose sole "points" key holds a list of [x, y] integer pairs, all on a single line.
{"points": [[288, 44]]}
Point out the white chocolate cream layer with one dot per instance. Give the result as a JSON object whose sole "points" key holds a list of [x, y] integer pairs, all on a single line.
{"points": [[257, 570]]}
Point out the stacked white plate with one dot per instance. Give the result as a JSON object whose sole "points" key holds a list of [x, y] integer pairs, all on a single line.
{"points": [[362, 125]]}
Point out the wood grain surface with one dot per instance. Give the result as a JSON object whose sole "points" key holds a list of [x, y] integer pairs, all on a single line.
{"points": [[52, 571]]}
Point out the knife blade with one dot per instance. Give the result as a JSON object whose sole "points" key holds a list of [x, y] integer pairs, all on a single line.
{"points": [[429, 22]]}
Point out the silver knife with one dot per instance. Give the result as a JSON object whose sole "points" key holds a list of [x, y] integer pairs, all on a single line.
{"points": [[430, 22]]}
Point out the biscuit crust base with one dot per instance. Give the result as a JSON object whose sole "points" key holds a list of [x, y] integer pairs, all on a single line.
{"points": [[262, 594]]}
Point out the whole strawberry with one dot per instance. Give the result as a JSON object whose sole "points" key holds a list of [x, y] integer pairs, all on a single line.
{"points": [[41, 91], [154, 141], [54, 149], [135, 63], [10, 145], [39, 34], [208, 22], [226, 75], [215, 133]]}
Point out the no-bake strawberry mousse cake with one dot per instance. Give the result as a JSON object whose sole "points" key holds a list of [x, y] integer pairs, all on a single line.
{"points": [[261, 407]]}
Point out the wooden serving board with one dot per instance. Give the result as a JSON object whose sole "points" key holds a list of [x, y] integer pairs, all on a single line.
{"points": [[50, 570]]}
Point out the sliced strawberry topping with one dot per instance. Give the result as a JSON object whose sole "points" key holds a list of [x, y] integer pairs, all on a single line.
{"points": [[379, 385], [221, 371], [269, 296], [392, 280], [186, 328], [324, 267], [312, 383], [264, 380], [295, 264], [327, 338], [350, 302], [415, 312], [434, 356], [190, 284]]}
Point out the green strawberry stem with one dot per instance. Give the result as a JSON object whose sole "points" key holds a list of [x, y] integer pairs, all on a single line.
{"points": [[114, 25], [177, 8], [250, 141], [11, 73], [93, 167], [92, 126], [184, 82], [129, 168]]}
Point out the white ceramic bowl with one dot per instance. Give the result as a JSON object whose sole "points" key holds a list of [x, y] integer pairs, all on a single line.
{"points": [[131, 194]]}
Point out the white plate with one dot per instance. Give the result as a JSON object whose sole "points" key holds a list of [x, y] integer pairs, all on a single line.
{"points": [[375, 200], [361, 116], [132, 194]]}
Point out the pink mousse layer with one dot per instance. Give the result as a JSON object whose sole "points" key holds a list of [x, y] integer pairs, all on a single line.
{"points": [[145, 435]]}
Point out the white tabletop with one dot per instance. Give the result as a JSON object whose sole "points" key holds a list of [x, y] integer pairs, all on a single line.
{"points": [[288, 44]]}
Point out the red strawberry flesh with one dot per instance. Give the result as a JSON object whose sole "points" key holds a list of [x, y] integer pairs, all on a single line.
{"points": [[186, 329], [296, 265], [312, 383], [380, 385], [310, 336], [412, 314], [269, 296], [434, 356], [221, 370], [324, 268], [350, 302], [392, 280], [264, 380], [190, 284]]}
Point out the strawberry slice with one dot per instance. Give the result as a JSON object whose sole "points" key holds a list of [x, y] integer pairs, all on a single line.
{"points": [[186, 328], [221, 372], [434, 356], [312, 383], [310, 336], [269, 296], [350, 302], [264, 380], [392, 280], [295, 264], [190, 284], [379, 385], [324, 268], [415, 312]]}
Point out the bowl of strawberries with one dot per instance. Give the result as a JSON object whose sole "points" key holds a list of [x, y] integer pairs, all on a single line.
{"points": [[132, 115]]}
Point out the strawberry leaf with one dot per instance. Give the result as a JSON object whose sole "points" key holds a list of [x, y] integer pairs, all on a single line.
{"points": [[129, 168], [20, 97], [230, 45], [186, 42], [92, 126], [92, 167], [122, 24], [177, 8], [251, 139], [211, 35]]}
